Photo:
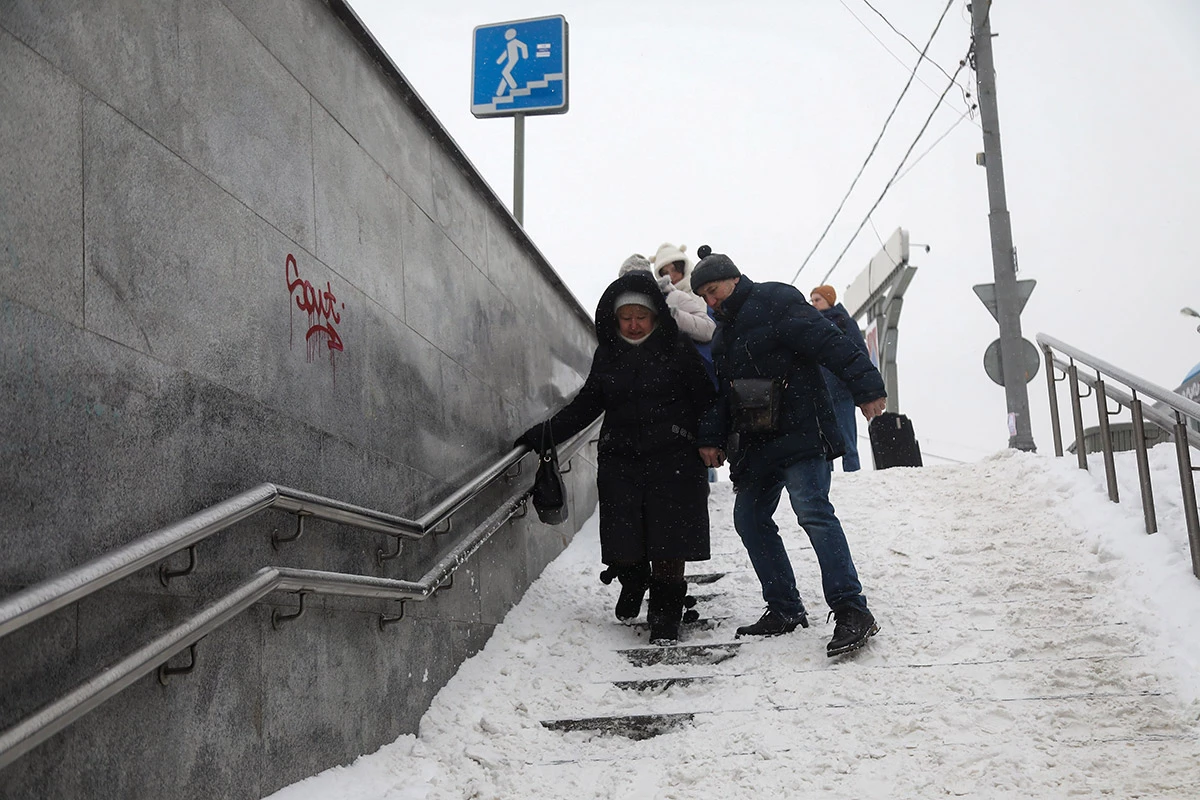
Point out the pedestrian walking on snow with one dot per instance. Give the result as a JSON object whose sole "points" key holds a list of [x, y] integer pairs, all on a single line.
{"points": [[775, 420], [824, 299], [650, 384]]}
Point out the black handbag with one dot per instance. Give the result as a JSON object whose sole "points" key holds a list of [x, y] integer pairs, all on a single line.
{"points": [[755, 404], [549, 491]]}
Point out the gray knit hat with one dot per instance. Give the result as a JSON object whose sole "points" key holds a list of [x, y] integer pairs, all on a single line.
{"points": [[637, 261], [712, 267]]}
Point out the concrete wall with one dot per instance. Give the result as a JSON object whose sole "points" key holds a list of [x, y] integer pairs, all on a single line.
{"points": [[235, 247]]}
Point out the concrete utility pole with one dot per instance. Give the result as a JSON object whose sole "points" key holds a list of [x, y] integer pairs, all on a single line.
{"points": [[1008, 304]]}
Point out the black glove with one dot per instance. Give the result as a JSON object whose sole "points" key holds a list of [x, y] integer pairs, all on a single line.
{"points": [[531, 438]]}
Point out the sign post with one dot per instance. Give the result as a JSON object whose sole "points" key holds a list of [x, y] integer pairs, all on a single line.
{"points": [[519, 69], [878, 292]]}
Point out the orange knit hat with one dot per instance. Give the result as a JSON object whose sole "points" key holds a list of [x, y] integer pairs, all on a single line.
{"points": [[828, 292]]}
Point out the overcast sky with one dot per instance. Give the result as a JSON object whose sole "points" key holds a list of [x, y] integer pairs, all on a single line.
{"points": [[742, 125]]}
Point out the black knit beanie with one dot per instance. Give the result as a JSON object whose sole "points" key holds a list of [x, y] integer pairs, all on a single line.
{"points": [[712, 267]]}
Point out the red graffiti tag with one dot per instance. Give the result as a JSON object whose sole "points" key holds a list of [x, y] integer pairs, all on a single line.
{"points": [[322, 309]]}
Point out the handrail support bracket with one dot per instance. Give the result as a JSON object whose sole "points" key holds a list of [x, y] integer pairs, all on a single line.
{"points": [[278, 619]]}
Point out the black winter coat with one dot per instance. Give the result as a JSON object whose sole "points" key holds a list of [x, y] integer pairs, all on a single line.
{"points": [[769, 330], [652, 484], [839, 316]]}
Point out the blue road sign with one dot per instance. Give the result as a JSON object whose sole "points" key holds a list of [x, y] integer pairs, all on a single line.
{"points": [[520, 67]]}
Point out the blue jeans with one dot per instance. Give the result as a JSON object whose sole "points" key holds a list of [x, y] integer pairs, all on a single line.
{"points": [[844, 409], [807, 483]]}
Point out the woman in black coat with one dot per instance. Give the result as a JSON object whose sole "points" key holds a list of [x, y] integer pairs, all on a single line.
{"points": [[650, 384]]}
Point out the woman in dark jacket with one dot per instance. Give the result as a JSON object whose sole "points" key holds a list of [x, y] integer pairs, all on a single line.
{"points": [[650, 384], [824, 299]]}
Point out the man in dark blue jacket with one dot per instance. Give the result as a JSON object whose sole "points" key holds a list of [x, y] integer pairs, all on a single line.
{"points": [[775, 419]]}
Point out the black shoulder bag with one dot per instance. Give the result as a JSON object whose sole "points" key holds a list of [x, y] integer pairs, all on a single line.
{"points": [[549, 491], [755, 403]]}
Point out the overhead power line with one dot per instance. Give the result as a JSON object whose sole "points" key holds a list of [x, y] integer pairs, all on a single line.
{"points": [[892, 179], [929, 149], [883, 44], [888, 22], [874, 146]]}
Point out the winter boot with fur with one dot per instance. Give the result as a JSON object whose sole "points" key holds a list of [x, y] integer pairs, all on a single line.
{"points": [[635, 579], [665, 610]]}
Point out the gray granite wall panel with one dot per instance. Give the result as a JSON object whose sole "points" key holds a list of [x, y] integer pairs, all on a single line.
{"points": [[459, 209], [41, 225], [474, 411], [350, 86], [438, 283], [162, 241], [359, 215], [247, 121], [199, 735], [124, 52], [245, 251]]}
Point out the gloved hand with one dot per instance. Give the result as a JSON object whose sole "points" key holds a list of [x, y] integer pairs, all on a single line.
{"points": [[531, 438], [665, 284]]}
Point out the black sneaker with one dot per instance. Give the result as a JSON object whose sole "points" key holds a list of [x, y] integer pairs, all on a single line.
{"points": [[854, 626], [772, 623]]}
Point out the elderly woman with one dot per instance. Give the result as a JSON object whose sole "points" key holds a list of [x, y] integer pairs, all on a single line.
{"points": [[650, 384]]}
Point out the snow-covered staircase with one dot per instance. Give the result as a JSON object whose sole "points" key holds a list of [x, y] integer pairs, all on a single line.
{"points": [[1019, 657]]}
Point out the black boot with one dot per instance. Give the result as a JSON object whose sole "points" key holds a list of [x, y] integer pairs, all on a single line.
{"points": [[851, 631], [665, 610], [635, 579], [772, 623]]}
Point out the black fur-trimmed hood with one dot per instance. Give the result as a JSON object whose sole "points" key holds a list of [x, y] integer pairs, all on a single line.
{"points": [[642, 283]]}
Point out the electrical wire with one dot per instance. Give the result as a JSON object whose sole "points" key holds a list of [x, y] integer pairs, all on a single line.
{"points": [[966, 92], [874, 146], [936, 142], [892, 180], [883, 44]]}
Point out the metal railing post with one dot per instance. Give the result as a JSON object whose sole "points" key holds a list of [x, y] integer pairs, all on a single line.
{"points": [[1110, 468], [1189, 490], [1143, 465], [1054, 422], [1077, 413]]}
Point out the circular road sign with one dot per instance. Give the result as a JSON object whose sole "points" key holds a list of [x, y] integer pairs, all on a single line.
{"points": [[994, 370]]}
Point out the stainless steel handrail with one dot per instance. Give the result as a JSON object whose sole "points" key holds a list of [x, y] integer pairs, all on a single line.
{"points": [[34, 602], [57, 715], [1178, 402], [1125, 399], [1183, 408]]}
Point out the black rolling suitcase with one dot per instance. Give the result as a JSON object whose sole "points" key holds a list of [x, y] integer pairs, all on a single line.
{"points": [[893, 443]]}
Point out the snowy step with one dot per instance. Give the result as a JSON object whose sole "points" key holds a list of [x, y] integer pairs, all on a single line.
{"points": [[636, 727], [703, 579], [662, 684], [682, 654]]}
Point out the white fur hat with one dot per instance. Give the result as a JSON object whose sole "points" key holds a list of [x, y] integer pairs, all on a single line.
{"points": [[669, 254]]}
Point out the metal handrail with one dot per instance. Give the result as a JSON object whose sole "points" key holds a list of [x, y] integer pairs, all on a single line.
{"points": [[1183, 408], [1126, 400], [1183, 405], [35, 602], [57, 715]]}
